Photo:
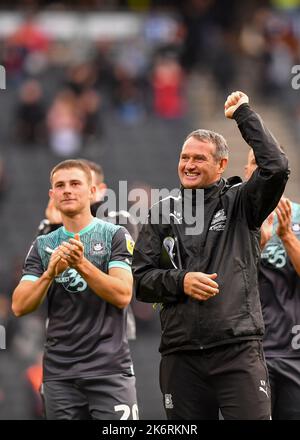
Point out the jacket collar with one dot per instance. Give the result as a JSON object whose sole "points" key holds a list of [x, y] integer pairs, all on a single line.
{"points": [[210, 191]]}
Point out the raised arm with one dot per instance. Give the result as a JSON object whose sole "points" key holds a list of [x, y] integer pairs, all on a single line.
{"points": [[262, 192]]}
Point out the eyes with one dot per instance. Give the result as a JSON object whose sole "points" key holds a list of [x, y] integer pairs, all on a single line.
{"points": [[73, 184], [195, 159]]}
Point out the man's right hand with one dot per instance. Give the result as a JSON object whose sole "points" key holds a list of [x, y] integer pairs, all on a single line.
{"points": [[200, 286], [56, 265], [233, 101]]}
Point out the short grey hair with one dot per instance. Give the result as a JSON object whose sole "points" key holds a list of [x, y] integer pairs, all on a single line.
{"points": [[217, 139]]}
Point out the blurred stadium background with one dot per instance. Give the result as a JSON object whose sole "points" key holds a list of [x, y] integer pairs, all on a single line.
{"points": [[121, 82]]}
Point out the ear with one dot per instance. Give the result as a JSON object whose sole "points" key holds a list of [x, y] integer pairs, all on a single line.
{"points": [[51, 193], [93, 190], [223, 165], [102, 187]]}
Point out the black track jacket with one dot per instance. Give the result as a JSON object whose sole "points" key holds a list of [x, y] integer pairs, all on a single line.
{"points": [[228, 245]]}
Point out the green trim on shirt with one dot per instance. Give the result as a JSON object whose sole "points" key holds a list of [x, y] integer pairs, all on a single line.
{"points": [[83, 231], [119, 264], [29, 278]]}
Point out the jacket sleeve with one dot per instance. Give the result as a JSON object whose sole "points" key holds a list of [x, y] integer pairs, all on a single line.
{"points": [[151, 283], [261, 194]]}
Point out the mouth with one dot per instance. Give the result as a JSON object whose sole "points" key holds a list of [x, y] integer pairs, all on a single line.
{"points": [[191, 176]]}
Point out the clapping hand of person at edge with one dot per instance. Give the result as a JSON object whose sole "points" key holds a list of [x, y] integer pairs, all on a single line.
{"points": [[284, 215]]}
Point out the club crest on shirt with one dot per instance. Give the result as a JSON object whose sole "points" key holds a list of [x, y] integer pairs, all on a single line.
{"points": [[98, 248], [129, 243], [218, 222]]}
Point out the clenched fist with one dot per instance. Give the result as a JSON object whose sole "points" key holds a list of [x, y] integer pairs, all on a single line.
{"points": [[233, 101]]}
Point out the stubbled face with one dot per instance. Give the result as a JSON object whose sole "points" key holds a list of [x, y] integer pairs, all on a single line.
{"points": [[71, 191], [251, 165], [197, 166]]}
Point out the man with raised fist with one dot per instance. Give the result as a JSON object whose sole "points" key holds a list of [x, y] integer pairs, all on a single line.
{"points": [[212, 325]]}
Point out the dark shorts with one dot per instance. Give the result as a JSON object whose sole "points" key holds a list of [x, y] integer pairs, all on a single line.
{"points": [[284, 376], [232, 378], [110, 397]]}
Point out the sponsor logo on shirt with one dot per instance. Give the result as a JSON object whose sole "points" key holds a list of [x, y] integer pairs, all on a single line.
{"points": [[275, 254], [72, 281], [218, 222]]}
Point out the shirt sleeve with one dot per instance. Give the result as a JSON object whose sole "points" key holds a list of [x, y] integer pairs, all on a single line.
{"points": [[121, 250], [33, 267]]}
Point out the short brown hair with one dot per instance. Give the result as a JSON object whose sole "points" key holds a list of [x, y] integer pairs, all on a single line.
{"points": [[97, 170], [73, 163], [215, 138]]}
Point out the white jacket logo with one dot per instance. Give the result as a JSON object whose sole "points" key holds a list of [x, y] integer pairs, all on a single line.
{"points": [[219, 221]]}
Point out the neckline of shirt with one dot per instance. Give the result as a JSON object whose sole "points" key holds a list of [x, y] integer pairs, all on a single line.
{"points": [[82, 231]]}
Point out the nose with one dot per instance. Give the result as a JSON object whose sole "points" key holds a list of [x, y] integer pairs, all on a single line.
{"points": [[67, 189], [190, 164]]}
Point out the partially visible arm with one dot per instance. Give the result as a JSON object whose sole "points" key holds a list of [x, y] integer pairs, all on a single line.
{"points": [[266, 230], [29, 295], [153, 284], [292, 246], [284, 231]]}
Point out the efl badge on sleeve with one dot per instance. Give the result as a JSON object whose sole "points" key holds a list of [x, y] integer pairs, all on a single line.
{"points": [[129, 243]]}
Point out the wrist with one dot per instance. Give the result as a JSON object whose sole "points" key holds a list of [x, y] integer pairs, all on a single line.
{"points": [[241, 113], [286, 235], [81, 265], [48, 276]]}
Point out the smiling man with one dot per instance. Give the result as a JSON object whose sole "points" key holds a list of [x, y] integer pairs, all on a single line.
{"points": [[203, 159], [83, 268], [211, 317]]}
